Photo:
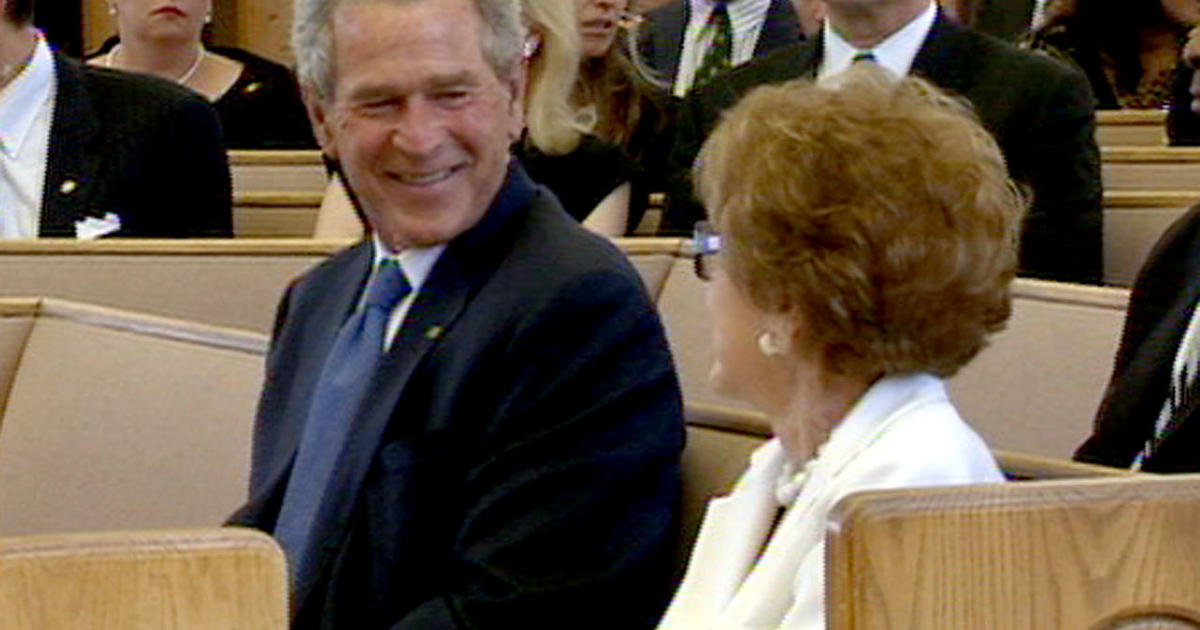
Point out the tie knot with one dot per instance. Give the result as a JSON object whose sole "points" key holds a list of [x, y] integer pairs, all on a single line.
{"points": [[863, 56], [388, 286]]}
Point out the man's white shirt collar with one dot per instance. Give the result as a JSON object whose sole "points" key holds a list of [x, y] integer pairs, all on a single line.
{"points": [[896, 52], [24, 97], [417, 263]]}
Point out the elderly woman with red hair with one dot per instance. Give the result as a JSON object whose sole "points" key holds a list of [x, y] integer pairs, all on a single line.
{"points": [[861, 248]]}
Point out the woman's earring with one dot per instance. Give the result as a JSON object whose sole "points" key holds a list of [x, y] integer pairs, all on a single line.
{"points": [[769, 344], [112, 8], [208, 17]]}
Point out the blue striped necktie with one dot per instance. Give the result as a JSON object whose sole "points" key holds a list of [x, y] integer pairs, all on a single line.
{"points": [[336, 400]]}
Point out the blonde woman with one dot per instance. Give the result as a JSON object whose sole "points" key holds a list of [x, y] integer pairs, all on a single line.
{"points": [[590, 177]]}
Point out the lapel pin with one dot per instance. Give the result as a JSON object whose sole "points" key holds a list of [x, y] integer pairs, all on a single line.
{"points": [[433, 332], [68, 186]]}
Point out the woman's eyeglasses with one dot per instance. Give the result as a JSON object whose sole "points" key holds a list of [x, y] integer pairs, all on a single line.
{"points": [[706, 243]]}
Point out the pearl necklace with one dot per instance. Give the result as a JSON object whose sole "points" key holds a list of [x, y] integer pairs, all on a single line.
{"points": [[109, 62]]}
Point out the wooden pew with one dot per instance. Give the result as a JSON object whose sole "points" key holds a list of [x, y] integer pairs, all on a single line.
{"points": [[276, 194], [1145, 127], [297, 171], [1133, 222], [1102, 554], [201, 579], [259, 214], [118, 420], [1034, 389], [1150, 168]]}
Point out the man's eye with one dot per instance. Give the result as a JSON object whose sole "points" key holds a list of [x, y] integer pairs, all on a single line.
{"points": [[452, 96]]}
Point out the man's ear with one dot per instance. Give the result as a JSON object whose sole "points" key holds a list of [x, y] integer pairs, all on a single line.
{"points": [[321, 119], [518, 83]]}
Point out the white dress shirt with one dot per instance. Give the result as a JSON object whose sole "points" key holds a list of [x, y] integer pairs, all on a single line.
{"points": [[416, 262], [747, 18], [896, 53], [26, 111]]}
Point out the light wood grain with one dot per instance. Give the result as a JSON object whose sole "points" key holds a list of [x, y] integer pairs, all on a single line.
{"points": [[176, 580], [1131, 127], [1053, 555]]}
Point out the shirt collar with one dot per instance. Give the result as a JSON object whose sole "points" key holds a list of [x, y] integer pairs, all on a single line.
{"points": [[896, 52], [416, 262], [739, 10], [24, 97]]}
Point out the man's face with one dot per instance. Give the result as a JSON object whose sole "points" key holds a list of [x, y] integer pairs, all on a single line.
{"points": [[418, 119]]}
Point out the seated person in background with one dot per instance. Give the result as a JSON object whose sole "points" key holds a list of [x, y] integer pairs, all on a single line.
{"points": [[1149, 418], [1130, 51], [631, 111], [258, 100], [590, 177], [86, 152], [686, 42], [1040, 110], [830, 290], [470, 419]]}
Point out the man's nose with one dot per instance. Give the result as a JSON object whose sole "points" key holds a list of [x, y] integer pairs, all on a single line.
{"points": [[417, 129]]}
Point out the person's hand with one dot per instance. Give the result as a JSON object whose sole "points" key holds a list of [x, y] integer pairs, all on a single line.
{"points": [[1191, 56]]}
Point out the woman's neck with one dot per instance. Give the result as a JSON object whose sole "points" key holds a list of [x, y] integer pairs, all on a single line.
{"points": [[815, 412], [174, 60], [16, 49]]}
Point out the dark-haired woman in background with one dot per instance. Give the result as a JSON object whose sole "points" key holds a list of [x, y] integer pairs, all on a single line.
{"points": [[258, 100], [1130, 51]]}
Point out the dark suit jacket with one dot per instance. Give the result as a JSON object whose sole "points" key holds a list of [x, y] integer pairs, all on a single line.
{"points": [[1039, 109], [517, 465], [1160, 307], [662, 42], [138, 147]]}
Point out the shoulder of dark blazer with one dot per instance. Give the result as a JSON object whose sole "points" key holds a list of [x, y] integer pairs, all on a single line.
{"points": [[125, 98]]}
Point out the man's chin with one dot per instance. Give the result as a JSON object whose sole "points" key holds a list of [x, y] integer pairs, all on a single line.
{"points": [[418, 233]]}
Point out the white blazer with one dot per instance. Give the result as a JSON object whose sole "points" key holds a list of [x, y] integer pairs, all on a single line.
{"points": [[903, 432]]}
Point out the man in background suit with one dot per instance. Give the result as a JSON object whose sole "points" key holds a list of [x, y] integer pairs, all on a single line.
{"points": [[86, 152], [508, 454], [1136, 426], [1040, 111], [673, 46]]}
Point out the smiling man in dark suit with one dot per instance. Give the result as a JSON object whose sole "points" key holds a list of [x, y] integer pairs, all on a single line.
{"points": [[1040, 111], [87, 153], [470, 419]]}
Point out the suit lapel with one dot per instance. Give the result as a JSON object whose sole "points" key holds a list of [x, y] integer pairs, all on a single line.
{"points": [[670, 39], [1159, 351], [71, 164], [461, 270], [338, 297], [780, 28], [944, 55]]}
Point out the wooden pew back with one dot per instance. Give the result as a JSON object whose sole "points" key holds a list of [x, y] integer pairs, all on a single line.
{"points": [[1122, 127], [1100, 554], [115, 420], [155, 580], [1034, 389]]}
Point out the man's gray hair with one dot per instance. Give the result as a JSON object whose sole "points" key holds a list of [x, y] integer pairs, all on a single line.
{"points": [[312, 38]]}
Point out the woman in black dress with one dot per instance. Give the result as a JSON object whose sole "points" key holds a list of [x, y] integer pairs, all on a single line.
{"points": [[257, 99]]}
